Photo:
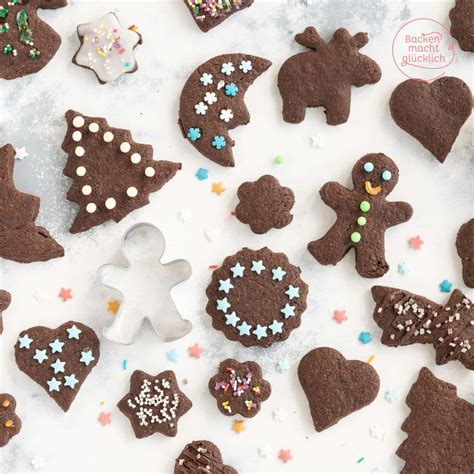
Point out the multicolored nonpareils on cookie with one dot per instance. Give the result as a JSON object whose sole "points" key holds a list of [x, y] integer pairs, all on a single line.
{"points": [[239, 388], [363, 216], [5, 300], [112, 174], [465, 248], [212, 102], [10, 423], [209, 13], [59, 360], [324, 76], [154, 404], [407, 318], [462, 24], [264, 204], [256, 297], [107, 48], [27, 43]]}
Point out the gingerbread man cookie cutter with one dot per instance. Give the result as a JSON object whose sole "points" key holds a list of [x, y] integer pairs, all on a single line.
{"points": [[145, 284]]}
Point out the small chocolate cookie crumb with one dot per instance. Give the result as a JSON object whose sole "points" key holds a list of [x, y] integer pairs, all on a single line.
{"points": [[439, 428], [10, 423], [433, 113], [201, 456], [256, 297], [465, 247], [239, 388], [334, 386], [210, 13], [5, 300], [323, 77], [462, 24], [20, 239], [264, 204], [363, 216], [154, 404], [407, 319]]}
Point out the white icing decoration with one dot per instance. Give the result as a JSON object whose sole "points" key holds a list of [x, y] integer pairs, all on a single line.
{"points": [[210, 98], [86, 190], [220, 85], [107, 47], [81, 171], [136, 158], [108, 137], [78, 121], [132, 192], [125, 147], [94, 127], [226, 115], [77, 136], [110, 203], [79, 151], [91, 208], [150, 172]]}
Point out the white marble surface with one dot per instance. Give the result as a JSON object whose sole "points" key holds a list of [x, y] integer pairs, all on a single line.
{"points": [[31, 115]]}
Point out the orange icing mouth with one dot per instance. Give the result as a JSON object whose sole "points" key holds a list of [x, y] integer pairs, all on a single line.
{"points": [[370, 190]]}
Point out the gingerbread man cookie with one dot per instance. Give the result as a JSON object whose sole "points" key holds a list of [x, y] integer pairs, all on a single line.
{"points": [[363, 216], [10, 423]]}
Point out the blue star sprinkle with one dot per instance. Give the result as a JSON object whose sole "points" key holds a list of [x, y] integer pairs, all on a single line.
{"points": [[293, 292], [244, 329], [202, 174], [260, 332], [365, 337], [53, 385], [56, 346], [392, 395], [223, 305], [86, 357], [237, 270], [403, 268], [278, 274], [257, 267], [288, 311], [40, 356], [225, 285], [172, 355], [231, 90], [70, 381], [445, 286], [194, 134], [25, 341], [276, 327], [232, 319], [73, 332], [58, 366], [218, 142], [282, 366]]}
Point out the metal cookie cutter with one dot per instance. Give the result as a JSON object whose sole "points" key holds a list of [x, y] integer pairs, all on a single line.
{"points": [[145, 284]]}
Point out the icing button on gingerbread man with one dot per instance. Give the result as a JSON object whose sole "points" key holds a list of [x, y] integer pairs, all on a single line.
{"points": [[363, 216]]}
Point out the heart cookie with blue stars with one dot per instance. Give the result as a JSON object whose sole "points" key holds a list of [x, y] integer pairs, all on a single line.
{"points": [[58, 359]]}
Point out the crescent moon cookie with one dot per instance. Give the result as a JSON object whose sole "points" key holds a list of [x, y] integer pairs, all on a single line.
{"points": [[256, 297], [212, 102], [27, 43], [107, 48]]}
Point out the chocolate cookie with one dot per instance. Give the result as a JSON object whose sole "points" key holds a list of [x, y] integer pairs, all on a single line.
{"points": [[10, 423], [112, 175], [239, 388], [27, 42], [154, 404], [201, 456], [107, 48], [20, 239], [5, 300], [407, 319], [264, 204], [465, 247], [462, 24], [323, 77], [439, 428], [334, 386], [363, 216], [211, 13], [256, 297], [59, 360], [433, 113], [212, 102]]}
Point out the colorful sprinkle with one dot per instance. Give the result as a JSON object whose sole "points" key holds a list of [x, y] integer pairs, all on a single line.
{"points": [[172, 355], [124, 364], [65, 294], [355, 237], [113, 306], [218, 188], [371, 359], [445, 286], [415, 242], [195, 351], [284, 455], [279, 159], [104, 418], [340, 316], [218, 142], [238, 426], [202, 174], [231, 90], [392, 395], [282, 366], [365, 337], [403, 268], [360, 460], [194, 134]]}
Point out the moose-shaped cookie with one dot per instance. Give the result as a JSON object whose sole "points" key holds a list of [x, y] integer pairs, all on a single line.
{"points": [[323, 77]]}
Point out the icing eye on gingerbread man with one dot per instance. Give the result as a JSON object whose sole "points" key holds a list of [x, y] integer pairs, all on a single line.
{"points": [[369, 167], [387, 175], [375, 176]]}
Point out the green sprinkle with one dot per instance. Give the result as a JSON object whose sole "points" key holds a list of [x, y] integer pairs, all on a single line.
{"points": [[361, 220], [355, 237], [364, 206], [4, 28], [34, 53], [23, 23], [279, 160], [8, 49], [124, 364], [3, 12], [360, 460]]}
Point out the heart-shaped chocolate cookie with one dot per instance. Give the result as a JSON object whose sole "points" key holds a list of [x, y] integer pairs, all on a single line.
{"points": [[432, 113], [58, 359], [334, 386]]}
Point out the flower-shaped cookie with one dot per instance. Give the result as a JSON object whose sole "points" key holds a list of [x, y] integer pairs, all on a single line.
{"points": [[10, 424], [265, 204], [239, 388]]}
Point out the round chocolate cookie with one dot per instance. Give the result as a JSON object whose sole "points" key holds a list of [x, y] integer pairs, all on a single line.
{"points": [[256, 297], [462, 24], [201, 456]]}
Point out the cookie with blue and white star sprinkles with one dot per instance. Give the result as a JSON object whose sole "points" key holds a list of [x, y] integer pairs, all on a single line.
{"points": [[154, 404], [256, 297], [212, 103], [59, 360]]}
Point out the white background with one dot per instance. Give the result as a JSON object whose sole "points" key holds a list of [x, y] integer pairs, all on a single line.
{"points": [[31, 115]]}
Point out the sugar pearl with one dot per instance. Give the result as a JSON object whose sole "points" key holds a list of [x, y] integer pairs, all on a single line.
{"points": [[108, 137], [110, 203], [91, 208], [150, 172], [77, 136], [79, 151], [132, 192], [81, 171], [94, 127], [86, 190], [136, 158], [78, 121], [125, 147]]}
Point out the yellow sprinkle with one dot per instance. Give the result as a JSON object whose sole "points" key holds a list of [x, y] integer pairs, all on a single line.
{"points": [[371, 358], [6, 403], [101, 403], [8, 424]]}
